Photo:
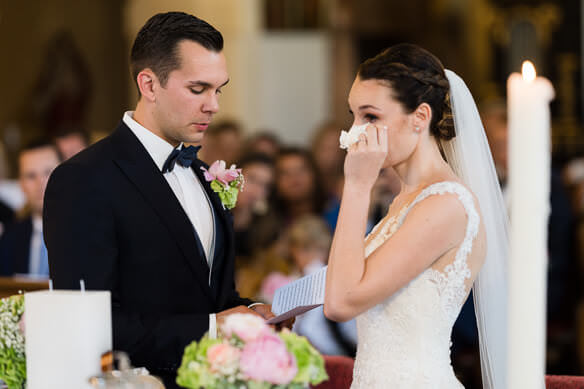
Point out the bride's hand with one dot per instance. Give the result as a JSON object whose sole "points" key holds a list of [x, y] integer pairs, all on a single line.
{"points": [[365, 158]]}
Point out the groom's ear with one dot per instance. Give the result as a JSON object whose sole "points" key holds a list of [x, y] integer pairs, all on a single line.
{"points": [[423, 115], [146, 81]]}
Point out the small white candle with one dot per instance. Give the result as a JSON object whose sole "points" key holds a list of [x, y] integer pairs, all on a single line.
{"points": [[529, 187], [66, 333]]}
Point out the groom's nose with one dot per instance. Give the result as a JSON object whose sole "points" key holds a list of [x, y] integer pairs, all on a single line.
{"points": [[211, 104]]}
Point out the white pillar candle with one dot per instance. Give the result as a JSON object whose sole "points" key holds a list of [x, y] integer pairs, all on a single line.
{"points": [[529, 187], [66, 333]]}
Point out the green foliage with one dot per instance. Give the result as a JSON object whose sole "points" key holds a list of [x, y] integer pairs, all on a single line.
{"points": [[309, 361], [194, 370], [12, 357], [227, 193]]}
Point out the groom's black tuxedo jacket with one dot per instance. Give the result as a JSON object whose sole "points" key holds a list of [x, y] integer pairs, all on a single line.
{"points": [[111, 219]]}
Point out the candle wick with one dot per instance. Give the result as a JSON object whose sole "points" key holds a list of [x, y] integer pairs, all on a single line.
{"points": [[82, 283], [50, 284]]}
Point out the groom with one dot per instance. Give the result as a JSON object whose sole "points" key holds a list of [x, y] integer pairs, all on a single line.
{"points": [[133, 214]]}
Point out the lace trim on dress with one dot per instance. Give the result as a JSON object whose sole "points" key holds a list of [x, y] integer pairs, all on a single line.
{"points": [[451, 281]]}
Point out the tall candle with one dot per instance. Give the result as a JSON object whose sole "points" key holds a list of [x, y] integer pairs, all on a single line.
{"points": [[529, 187], [66, 333]]}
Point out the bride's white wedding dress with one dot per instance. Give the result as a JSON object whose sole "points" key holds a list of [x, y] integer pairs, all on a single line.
{"points": [[404, 342]]}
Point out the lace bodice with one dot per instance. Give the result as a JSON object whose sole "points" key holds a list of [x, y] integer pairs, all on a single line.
{"points": [[404, 342]]}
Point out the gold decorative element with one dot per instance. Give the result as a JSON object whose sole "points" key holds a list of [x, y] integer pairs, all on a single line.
{"points": [[545, 18]]}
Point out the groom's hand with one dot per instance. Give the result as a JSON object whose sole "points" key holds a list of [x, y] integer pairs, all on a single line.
{"points": [[220, 316], [266, 311]]}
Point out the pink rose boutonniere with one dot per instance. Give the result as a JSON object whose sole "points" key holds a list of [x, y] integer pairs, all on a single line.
{"points": [[225, 182]]}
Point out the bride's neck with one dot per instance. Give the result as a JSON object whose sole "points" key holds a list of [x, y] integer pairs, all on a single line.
{"points": [[424, 167]]}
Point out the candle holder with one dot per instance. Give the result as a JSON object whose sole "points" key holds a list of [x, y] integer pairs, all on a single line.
{"points": [[126, 377]]}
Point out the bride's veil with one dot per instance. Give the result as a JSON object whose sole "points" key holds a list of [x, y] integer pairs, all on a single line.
{"points": [[469, 156]]}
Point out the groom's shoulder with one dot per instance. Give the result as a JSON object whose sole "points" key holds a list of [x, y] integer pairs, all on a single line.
{"points": [[95, 160]]}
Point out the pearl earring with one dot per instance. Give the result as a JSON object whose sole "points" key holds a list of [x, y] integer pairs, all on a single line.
{"points": [[417, 129]]}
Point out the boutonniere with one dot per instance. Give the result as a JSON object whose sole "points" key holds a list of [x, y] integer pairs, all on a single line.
{"points": [[225, 182]]}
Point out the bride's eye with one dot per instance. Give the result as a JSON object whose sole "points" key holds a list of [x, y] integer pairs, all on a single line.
{"points": [[370, 118]]}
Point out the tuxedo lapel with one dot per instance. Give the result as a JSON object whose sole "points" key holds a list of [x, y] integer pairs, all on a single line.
{"points": [[221, 221], [135, 162]]}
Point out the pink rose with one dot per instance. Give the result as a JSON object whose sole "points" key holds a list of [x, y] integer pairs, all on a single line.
{"points": [[218, 171], [246, 326], [223, 358], [267, 359]]}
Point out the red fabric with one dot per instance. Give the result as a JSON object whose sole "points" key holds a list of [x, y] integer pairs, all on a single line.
{"points": [[340, 372], [564, 382]]}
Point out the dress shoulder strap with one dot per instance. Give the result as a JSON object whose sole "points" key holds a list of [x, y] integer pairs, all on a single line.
{"points": [[463, 194]]}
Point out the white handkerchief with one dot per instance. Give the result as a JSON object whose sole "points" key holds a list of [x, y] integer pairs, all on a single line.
{"points": [[351, 137]]}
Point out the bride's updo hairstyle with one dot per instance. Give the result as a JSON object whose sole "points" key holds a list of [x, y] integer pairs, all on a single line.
{"points": [[415, 76]]}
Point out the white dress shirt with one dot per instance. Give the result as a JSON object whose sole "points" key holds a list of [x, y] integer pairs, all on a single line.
{"points": [[188, 190]]}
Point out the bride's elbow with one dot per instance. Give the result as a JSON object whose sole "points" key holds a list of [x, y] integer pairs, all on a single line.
{"points": [[335, 312]]}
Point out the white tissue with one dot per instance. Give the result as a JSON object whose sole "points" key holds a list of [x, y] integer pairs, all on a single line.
{"points": [[351, 137]]}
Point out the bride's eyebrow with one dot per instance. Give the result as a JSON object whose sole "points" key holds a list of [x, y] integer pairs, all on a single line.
{"points": [[368, 106]]}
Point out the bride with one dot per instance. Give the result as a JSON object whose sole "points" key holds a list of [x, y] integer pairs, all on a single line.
{"points": [[445, 233]]}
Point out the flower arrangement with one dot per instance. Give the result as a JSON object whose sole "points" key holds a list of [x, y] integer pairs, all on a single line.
{"points": [[225, 182], [249, 354], [12, 358]]}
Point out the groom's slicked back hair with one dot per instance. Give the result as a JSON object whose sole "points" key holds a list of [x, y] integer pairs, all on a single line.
{"points": [[156, 45]]}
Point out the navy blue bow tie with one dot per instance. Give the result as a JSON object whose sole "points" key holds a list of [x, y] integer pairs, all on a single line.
{"points": [[183, 157]]}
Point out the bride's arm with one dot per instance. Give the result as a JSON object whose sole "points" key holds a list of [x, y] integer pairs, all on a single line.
{"points": [[432, 228]]}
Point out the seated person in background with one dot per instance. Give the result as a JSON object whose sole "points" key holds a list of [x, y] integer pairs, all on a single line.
{"points": [[222, 141], [298, 188], [309, 243], [252, 202], [268, 254], [71, 142], [6, 216], [22, 248], [263, 142], [329, 157]]}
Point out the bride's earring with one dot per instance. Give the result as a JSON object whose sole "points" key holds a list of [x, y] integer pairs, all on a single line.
{"points": [[417, 129]]}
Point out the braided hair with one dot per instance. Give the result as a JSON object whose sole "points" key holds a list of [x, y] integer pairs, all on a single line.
{"points": [[415, 76]]}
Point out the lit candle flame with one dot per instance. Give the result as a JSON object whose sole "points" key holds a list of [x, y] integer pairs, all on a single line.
{"points": [[528, 71]]}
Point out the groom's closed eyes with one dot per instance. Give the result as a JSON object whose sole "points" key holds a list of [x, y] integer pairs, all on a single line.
{"points": [[198, 87]]}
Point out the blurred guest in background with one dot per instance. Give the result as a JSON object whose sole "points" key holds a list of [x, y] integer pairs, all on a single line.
{"points": [[252, 201], [309, 240], [329, 159], [384, 191], [71, 142], [328, 156], [494, 117], [6, 216], [263, 142], [11, 196], [222, 141], [22, 248], [299, 188], [268, 255]]}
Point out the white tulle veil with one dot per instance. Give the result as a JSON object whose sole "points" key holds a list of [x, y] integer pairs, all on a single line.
{"points": [[469, 156]]}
